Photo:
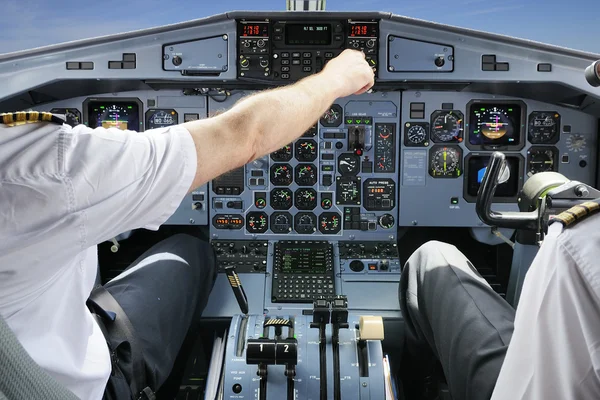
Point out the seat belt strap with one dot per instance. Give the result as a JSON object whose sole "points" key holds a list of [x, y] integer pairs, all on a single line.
{"points": [[105, 305]]}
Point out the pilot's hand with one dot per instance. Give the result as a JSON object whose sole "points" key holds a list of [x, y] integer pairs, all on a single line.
{"points": [[351, 71]]}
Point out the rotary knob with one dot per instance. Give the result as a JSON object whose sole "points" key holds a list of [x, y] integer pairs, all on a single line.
{"points": [[176, 60], [386, 221]]}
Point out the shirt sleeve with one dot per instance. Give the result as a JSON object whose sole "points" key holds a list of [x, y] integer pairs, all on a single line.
{"points": [[554, 350], [123, 180]]}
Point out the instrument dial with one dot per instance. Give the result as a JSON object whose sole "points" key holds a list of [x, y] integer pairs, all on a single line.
{"points": [[445, 162], [305, 223], [541, 159], [348, 191], [160, 118], [447, 126], [306, 174], [416, 134], [330, 223], [281, 199], [306, 199], [348, 164], [385, 153], [306, 150], [333, 117], [72, 115], [283, 154], [281, 222], [281, 174], [575, 142], [544, 127], [256, 222]]}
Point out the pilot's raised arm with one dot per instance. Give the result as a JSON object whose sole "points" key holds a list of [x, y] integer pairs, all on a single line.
{"points": [[555, 348], [549, 350], [63, 190]]}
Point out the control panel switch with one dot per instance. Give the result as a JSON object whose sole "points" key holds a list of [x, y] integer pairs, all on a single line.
{"points": [[370, 327]]}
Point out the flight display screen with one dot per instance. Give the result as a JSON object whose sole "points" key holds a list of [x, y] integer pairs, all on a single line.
{"points": [[494, 124], [308, 34], [303, 258], [476, 168], [111, 114]]}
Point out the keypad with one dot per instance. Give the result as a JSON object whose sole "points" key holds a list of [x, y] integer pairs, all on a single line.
{"points": [[292, 288]]}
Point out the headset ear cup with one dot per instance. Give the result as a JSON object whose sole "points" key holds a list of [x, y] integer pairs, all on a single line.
{"points": [[592, 74]]}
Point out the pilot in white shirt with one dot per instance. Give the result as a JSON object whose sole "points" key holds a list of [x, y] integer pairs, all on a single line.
{"points": [[548, 350], [64, 190]]}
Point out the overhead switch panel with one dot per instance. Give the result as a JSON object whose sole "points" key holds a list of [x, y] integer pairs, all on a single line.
{"points": [[198, 57], [408, 55]]}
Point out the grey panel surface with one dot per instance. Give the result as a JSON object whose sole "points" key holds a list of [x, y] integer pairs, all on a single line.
{"points": [[208, 55], [409, 55], [360, 293], [430, 204], [186, 213]]}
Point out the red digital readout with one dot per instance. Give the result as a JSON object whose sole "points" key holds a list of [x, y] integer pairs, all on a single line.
{"points": [[359, 30], [255, 30]]}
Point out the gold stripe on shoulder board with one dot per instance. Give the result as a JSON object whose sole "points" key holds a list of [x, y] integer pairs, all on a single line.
{"points": [[578, 212], [28, 117]]}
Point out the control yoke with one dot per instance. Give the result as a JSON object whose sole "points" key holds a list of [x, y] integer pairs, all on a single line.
{"points": [[498, 172]]}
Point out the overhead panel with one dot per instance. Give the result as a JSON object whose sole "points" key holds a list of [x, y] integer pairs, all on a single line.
{"points": [[409, 55]]}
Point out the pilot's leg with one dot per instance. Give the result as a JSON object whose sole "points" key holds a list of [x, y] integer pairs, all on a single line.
{"points": [[449, 306], [164, 293]]}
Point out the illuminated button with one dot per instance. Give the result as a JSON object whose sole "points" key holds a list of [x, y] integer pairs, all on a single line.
{"points": [[372, 267], [295, 55], [454, 200], [295, 62]]}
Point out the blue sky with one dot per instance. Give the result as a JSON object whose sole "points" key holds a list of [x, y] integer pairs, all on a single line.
{"points": [[34, 23]]}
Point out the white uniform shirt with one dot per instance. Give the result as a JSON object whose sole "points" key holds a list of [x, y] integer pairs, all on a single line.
{"points": [[63, 190], [554, 352]]}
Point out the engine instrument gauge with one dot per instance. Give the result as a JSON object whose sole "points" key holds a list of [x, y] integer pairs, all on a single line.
{"points": [[385, 149], [305, 223], [348, 191], [447, 126], [228, 221], [348, 164], [445, 162], [306, 174], [416, 134], [305, 199], [161, 118], [541, 159], [544, 127], [281, 174], [283, 154], [281, 199], [306, 150], [333, 117], [72, 115], [281, 222], [575, 142], [330, 223], [257, 222]]}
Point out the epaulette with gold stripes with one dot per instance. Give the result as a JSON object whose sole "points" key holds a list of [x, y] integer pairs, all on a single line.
{"points": [[27, 117], [577, 213]]}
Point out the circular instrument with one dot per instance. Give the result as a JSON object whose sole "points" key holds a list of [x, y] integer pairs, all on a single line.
{"points": [[306, 174], [306, 150], [445, 162], [305, 223], [415, 134], [305, 199], [160, 118], [541, 159], [575, 142], [281, 222], [281, 174], [256, 222], [281, 199], [283, 154], [348, 164], [544, 127], [447, 126], [330, 223], [333, 116]]}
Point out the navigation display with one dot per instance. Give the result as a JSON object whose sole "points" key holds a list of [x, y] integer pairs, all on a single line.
{"points": [[495, 125], [476, 168], [297, 257], [124, 115], [308, 34]]}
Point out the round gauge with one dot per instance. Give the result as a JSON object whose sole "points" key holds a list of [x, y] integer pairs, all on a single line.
{"points": [[306, 150], [256, 222], [161, 118], [347, 191], [281, 174], [283, 154], [306, 174], [348, 164], [305, 223], [541, 159], [281, 199], [281, 222], [415, 134], [544, 127], [305, 199], [72, 115], [333, 116], [445, 162], [330, 223], [447, 126], [575, 142]]}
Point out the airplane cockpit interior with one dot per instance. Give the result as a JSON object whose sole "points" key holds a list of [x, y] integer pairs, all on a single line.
{"points": [[467, 137]]}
